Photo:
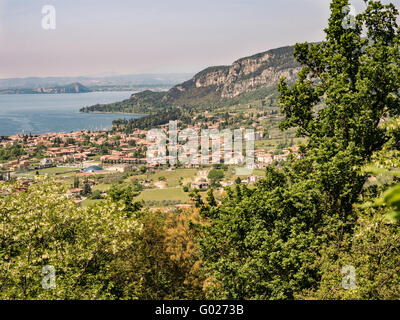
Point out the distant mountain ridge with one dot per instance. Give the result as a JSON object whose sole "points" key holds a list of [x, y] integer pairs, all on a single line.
{"points": [[167, 79], [256, 75], [70, 88]]}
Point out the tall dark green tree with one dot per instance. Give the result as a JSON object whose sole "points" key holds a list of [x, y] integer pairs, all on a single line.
{"points": [[211, 199], [263, 243], [348, 84]]}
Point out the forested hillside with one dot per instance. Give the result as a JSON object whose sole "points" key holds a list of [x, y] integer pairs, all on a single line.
{"points": [[247, 79]]}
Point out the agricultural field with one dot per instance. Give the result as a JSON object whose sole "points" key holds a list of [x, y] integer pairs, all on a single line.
{"points": [[48, 172], [230, 174], [172, 178], [169, 194]]}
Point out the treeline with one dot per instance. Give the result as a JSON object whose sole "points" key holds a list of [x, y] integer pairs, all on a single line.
{"points": [[146, 102], [111, 250], [11, 152], [151, 121]]}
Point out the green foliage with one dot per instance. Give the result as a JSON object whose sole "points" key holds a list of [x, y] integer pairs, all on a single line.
{"points": [[96, 195], [143, 169], [42, 227], [126, 194], [98, 252], [87, 189], [76, 182], [150, 121], [162, 261], [385, 163], [11, 152], [373, 251], [196, 198], [211, 199], [391, 199], [356, 79], [140, 103], [257, 245], [215, 175], [263, 243]]}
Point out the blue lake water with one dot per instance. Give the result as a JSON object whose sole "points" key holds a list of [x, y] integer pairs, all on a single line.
{"points": [[41, 113]]}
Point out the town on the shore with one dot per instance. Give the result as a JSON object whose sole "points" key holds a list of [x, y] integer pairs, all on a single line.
{"points": [[86, 155]]}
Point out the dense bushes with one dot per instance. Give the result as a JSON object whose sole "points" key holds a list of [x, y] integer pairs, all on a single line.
{"points": [[107, 251]]}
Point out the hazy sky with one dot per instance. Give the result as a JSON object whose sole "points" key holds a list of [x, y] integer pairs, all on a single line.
{"points": [[94, 37]]}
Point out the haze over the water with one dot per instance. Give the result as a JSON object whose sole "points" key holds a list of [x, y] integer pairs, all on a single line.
{"points": [[94, 37], [42, 113]]}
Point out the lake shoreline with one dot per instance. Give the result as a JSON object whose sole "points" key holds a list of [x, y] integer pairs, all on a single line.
{"points": [[128, 113], [52, 113]]}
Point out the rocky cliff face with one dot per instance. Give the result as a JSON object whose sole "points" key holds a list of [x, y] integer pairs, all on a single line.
{"points": [[264, 69], [247, 79], [243, 76]]}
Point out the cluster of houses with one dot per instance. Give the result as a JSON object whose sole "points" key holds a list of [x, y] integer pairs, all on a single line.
{"points": [[264, 159], [204, 185], [67, 148], [18, 164], [195, 155], [62, 148]]}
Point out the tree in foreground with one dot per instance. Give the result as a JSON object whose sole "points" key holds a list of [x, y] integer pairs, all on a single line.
{"points": [[264, 243], [110, 250], [41, 227]]}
